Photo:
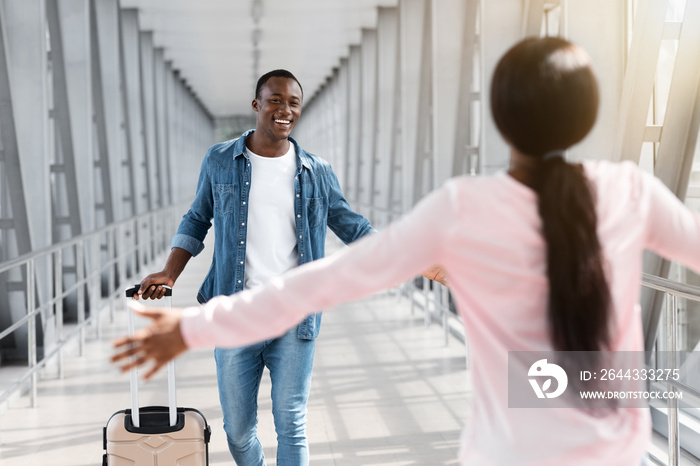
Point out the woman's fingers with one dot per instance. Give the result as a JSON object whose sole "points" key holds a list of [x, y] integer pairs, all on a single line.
{"points": [[123, 354], [138, 362], [138, 343], [132, 348], [121, 342], [138, 351]]}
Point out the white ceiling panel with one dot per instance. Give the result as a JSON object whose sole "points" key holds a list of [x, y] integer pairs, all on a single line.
{"points": [[211, 41]]}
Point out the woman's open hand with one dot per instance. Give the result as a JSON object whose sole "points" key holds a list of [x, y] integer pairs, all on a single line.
{"points": [[160, 342]]}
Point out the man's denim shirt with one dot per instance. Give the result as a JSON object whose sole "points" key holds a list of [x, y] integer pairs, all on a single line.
{"points": [[222, 195]]}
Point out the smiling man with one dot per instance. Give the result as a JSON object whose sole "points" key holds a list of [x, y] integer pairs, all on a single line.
{"points": [[270, 202]]}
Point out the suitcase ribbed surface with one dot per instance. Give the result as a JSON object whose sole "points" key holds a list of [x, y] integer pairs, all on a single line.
{"points": [[187, 446]]}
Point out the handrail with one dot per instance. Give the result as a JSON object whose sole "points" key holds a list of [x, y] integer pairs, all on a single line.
{"points": [[132, 242], [682, 290], [673, 290], [21, 260]]}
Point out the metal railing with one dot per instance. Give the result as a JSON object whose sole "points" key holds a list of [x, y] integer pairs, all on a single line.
{"points": [[434, 299], [108, 253], [431, 296], [673, 291]]}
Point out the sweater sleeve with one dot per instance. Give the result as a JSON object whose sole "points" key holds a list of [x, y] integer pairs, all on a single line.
{"points": [[673, 230], [373, 263]]}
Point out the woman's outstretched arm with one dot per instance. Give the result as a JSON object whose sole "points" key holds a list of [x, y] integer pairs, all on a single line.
{"points": [[376, 262], [673, 230]]}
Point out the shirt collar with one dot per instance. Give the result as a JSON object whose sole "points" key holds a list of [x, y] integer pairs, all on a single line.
{"points": [[239, 149]]}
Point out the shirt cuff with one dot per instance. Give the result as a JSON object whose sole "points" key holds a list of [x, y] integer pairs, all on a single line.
{"points": [[188, 243]]}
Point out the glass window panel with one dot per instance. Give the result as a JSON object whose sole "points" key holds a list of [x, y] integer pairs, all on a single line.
{"points": [[676, 9], [551, 26], [664, 74], [646, 160]]}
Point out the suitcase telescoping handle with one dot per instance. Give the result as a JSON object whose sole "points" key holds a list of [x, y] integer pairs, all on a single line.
{"points": [[131, 291], [134, 373]]}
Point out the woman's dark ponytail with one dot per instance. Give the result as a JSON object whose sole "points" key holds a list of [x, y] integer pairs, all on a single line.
{"points": [[544, 99], [579, 297]]}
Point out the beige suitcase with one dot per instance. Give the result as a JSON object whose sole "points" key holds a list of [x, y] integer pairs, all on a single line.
{"points": [[156, 435]]}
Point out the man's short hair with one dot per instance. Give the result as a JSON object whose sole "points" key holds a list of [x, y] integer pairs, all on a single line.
{"points": [[275, 73]]}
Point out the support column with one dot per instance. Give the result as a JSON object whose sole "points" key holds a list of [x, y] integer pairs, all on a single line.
{"points": [[470, 99], [66, 214], [501, 28], [454, 33], [14, 223], [148, 96], [159, 84], [104, 205], [606, 45], [343, 121], [68, 113], [368, 132], [75, 36], [384, 167], [424, 161], [107, 25], [638, 83], [134, 109], [412, 36], [354, 125]]}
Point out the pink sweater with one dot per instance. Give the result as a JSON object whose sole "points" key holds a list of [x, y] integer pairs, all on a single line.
{"points": [[485, 231]]}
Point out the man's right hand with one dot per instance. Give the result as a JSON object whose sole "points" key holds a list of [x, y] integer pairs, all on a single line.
{"points": [[174, 266], [151, 286]]}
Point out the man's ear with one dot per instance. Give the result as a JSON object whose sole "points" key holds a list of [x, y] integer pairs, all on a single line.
{"points": [[254, 104]]}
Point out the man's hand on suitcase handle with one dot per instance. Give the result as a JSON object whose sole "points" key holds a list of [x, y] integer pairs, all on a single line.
{"points": [[151, 286], [160, 342], [177, 260]]}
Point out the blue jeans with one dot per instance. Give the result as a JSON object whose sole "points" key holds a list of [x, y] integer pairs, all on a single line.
{"points": [[239, 371]]}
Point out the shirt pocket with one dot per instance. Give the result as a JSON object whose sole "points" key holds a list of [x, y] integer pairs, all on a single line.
{"points": [[316, 211], [224, 198]]}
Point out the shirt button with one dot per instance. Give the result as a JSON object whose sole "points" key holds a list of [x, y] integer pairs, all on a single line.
{"points": [[299, 236], [297, 195], [239, 281], [241, 242], [302, 255], [243, 202], [243, 224], [247, 182], [298, 216], [241, 262]]}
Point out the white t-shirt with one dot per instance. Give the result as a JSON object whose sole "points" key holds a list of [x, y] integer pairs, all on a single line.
{"points": [[486, 232], [271, 247]]}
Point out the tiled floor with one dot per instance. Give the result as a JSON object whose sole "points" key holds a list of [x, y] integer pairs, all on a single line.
{"points": [[386, 391]]}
